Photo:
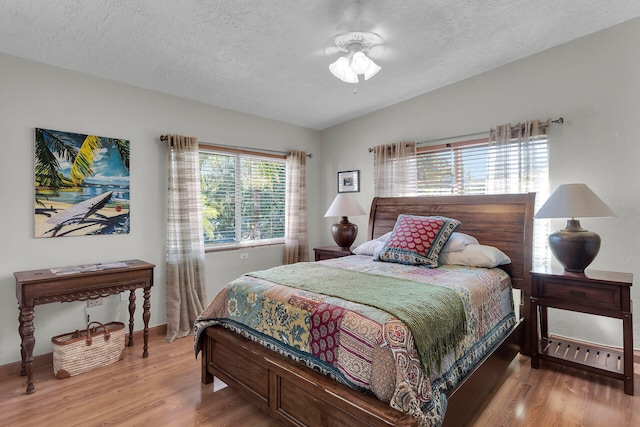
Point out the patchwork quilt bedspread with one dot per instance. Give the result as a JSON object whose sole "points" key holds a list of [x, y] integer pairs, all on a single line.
{"points": [[368, 346]]}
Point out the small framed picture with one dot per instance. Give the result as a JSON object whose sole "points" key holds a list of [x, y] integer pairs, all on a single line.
{"points": [[349, 181]]}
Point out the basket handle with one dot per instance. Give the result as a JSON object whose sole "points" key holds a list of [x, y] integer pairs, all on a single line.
{"points": [[107, 334]]}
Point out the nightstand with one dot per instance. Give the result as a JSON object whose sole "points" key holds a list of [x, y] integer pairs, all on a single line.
{"points": [[328, 252], [602, 293]]}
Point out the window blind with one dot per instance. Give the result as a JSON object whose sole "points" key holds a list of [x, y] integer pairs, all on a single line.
{"points": [[453, 169]]}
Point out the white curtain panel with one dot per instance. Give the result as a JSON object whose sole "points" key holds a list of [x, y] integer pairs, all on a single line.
{"points": [[394, 169], [519, 163], [185, 285], [296, 245]]}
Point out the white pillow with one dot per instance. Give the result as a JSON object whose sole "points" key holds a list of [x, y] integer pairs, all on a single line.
{"points": [[385, 236], [458, 241], [476, 256], [372, 247]]}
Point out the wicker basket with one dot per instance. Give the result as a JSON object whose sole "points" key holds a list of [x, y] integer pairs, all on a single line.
{"points": [[82, 351]]}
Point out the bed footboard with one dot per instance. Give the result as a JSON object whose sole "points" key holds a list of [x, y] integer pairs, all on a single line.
{"points": [[299, 396], [288, 391]]}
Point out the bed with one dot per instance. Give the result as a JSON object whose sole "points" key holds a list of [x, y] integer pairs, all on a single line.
{"points": [[298, 392]]}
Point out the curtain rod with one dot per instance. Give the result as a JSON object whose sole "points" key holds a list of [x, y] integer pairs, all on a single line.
{"points": [[559, 121], [259, 150]]}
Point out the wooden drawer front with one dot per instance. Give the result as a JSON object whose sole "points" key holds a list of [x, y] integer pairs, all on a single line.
{"points": [[238, 366], [323, 254], [581, 294], [299, 405]]}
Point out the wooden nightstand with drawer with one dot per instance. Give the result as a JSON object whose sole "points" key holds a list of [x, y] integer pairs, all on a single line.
{"points": [[328, 252], [602, 293]]}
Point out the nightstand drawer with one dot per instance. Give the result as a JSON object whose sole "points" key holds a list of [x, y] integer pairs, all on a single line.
{"points": [[583, 294], [329, 252]]}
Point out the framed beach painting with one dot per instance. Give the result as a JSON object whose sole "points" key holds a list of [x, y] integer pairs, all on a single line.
{"points": [[81, 184]]}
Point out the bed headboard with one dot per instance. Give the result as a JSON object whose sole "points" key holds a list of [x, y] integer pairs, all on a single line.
{"points": [[504, 221]]}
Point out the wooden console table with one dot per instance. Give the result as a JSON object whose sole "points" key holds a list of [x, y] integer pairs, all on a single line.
{"points": [[44, 286]]}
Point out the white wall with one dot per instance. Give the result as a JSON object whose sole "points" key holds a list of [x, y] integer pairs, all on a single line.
{"points": [[593, 82], [34, 95]]}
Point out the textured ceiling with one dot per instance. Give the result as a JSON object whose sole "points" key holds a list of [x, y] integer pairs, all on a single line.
{"points": [[270, 57]]}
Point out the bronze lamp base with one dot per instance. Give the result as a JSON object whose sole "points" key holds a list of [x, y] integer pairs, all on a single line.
{"points": [[574, 247], [344, 233]]}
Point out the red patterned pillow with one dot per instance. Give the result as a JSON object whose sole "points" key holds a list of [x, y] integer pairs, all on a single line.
{"points": [[417, 240]]}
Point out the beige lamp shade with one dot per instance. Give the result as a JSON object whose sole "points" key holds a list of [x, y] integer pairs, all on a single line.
{"points": [[574, 201], [344, 205], [344, 233], [574, 247]]}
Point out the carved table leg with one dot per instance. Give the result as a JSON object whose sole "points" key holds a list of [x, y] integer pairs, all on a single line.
{"points": [[146, 314], [132, 310], [28, 341]]}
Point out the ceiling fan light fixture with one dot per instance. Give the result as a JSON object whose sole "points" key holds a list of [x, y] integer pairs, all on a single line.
{"points": [[360, 63], [343, 71], [347, 68], [372, 70]]}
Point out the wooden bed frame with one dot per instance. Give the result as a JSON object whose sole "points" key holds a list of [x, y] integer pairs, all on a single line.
{"points": [[296, 395]]}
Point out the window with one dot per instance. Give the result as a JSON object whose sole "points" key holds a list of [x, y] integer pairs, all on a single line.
{"points": [[243, 197], [480, 167]]}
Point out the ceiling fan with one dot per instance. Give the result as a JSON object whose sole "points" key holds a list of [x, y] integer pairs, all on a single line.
{"points": [[358, 44]]}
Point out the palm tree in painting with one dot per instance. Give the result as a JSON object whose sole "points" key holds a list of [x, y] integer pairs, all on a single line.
{"points": [[50, 144], [78, 153]]}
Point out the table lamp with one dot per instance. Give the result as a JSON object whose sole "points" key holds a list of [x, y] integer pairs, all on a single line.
{"points": [[574, 247], [344, 232]]}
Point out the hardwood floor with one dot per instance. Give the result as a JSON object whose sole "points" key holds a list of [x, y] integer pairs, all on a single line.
{"points": [[165, 390]]}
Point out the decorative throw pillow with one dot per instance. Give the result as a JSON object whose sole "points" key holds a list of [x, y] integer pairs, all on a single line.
{"points": [[476, 256], [417, 240], [458, 241]]}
